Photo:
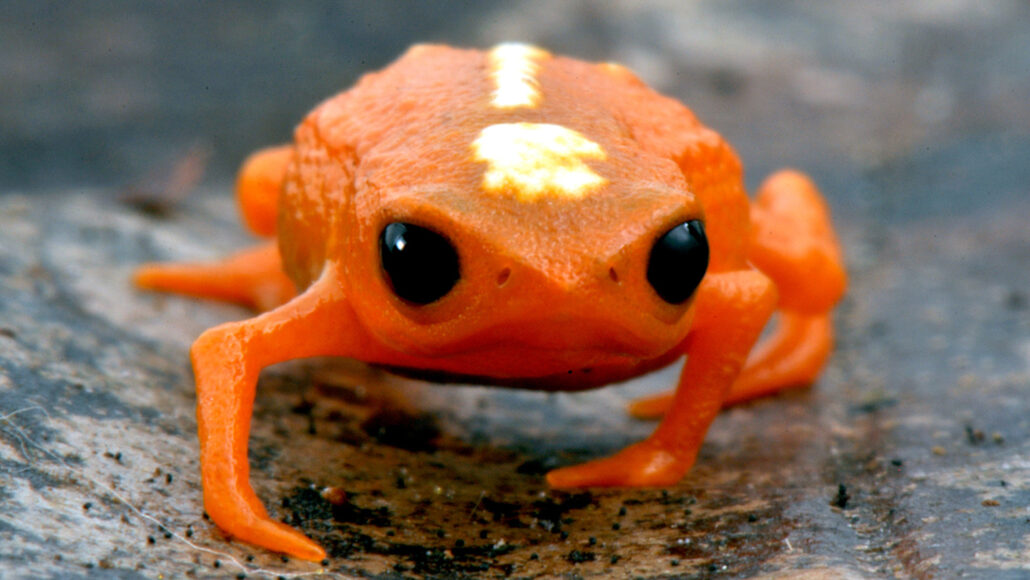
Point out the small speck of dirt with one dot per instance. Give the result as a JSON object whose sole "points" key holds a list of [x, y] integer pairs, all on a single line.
{"points": [[335, 495], [304, 407], [974, 436], [550, 513], [579, 556], [872, 406], [165, 187], [402, 430], [539, 465], [841, 499], [503, 511], [309, 504], [1016, 300]]}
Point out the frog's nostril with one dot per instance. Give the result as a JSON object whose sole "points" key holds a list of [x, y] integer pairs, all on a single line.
{"points": [[502, 278], [613, 275]]}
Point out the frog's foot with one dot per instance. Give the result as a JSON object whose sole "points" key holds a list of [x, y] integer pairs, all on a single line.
{"points": [[644, 464], [244, 524], [252, 278]]}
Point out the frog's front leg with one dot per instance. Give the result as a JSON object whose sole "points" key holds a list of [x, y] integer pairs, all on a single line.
{"points": [[732, 308], [227, 360]]}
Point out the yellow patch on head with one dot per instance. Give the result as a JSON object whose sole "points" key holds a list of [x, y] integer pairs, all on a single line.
{"points": [[513, 68], [537, 159], [617, 70]]}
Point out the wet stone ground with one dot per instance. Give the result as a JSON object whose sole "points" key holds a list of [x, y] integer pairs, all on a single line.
{"points": [[910, 458]]}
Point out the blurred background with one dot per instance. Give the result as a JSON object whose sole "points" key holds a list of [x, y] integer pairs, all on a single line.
{"points": [[106, 93]]}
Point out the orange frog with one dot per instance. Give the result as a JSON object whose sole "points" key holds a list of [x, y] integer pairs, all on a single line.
{"points": [[518, 218]]}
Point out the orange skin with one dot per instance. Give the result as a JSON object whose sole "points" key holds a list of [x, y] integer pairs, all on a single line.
{"points": [[552, 293]]}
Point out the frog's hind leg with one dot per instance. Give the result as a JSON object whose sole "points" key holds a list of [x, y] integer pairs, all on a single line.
{"points": [[792, 241], [258, 186], [792, 356], [252, 278]]}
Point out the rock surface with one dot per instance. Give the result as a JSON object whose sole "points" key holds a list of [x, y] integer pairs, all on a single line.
{"points": [[911, 457]]}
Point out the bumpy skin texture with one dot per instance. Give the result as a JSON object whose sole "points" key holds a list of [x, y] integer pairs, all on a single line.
{"points": [[552, 178]]}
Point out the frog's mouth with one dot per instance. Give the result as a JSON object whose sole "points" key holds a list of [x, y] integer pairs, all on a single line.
{"points": [[559, 378], [579, 339], [576, 361], [546, 348]]}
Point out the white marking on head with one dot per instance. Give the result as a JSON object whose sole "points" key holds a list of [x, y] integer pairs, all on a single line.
{"points": [[533, 160], [617, 70], [513, 68]]}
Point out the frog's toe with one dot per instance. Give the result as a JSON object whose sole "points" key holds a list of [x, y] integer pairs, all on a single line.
{"points": [[278, 537], [651, 407], [644, 464]]}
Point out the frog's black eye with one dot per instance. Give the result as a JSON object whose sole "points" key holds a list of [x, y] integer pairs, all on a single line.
{"points": [[421, 265], [678, 262]]}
